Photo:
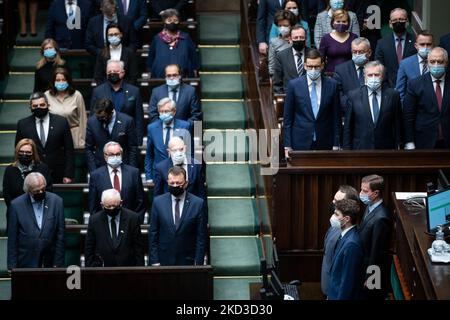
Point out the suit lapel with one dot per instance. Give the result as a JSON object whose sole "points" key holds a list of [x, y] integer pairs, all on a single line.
{"points": [[185, 211], [117, 126], [106, 229], [45, 215], [123, 225], [309, 110], [34, 132], [31, 211], [429, 89], [322, 97]]}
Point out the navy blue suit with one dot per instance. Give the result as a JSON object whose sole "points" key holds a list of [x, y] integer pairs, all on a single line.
{"points": [[131, 191], [409, 69], [56, 27], [132, 105], [137, 12], [445, 42], [331, 238], [156, 149], [171, 246], [29, 246], [97, 136], [346, 270], [264, 20], [347, 78], [188, 105], [299, 121], [421, 114]]}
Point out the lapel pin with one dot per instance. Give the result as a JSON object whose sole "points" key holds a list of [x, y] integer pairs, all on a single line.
{"points": [[121, 231]]}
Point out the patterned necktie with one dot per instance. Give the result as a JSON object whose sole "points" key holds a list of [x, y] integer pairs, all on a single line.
{"points": [[399, 50], [375, 107], [425, 66], [71, 16], [299, 63]]}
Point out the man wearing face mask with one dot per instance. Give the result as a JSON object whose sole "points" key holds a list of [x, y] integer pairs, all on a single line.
{"points": [[188, 104], [52, 136], [114, 236], [311, 109], [426, 111], [375, 232], [332, 235], [284, 20], [373, 118], [115, 174], [396, 46], [290, 62], [416, 65], [106, 125], [178, 227], [125, 97], [159, 134], [36, 227]]}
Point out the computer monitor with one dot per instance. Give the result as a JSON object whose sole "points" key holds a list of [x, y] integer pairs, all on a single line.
{"points": [[438, 210]]}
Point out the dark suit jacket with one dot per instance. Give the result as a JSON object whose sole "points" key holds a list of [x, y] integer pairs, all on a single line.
{"points": [[128, 249], [421, 114], [409, 69], [329, 245], [346, 270], [347, 78], [123, 132], [57, 153], [264, 20], [299, 121], [284, 70], [130, 62], [56, 27], [360, 133], [156, 6], [95, 37], [132, 104], [137, 12], [29, 246], [188, 105], [184, 245], [131, 191], [445, 42], [386, 54]]}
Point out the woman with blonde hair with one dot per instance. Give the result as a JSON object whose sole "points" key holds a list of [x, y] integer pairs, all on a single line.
{"points": [[50, 60]]}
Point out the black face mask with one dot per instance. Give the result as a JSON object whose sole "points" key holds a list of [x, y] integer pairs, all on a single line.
{"points": [[399, 27], [112, 212], [40, 112], [172, 27], [25, 159], [298, 45], [114, 78], [105, 120], [176, 191], [39, 196]]}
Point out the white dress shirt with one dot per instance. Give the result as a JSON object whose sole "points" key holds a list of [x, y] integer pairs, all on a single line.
{"points": [[318, 89], [421, 63], [115, 52], [46, 124], [371, 104], [343, 233], [294, 52], [68, 7], [181, 205], [117, 219], [119, 174]]}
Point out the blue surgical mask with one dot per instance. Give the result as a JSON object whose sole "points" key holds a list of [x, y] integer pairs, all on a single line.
{"points": [[50, 53], [437, 71], [61, 86], [172, 83], [360, 59], [373, 83], [336, 4], [115, 161], [313, 74], [114, 40], [364, 198], [284, 31], [166, 117], [423, 52]]}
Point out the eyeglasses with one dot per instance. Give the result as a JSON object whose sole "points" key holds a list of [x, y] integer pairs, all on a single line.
{"points": [[24, 153], [399, 20], [42, 105], [113, 34]]}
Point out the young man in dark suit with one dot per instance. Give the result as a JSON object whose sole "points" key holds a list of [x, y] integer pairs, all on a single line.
{"points": [[177, 234], [52, 136], [264, 21], [114, 236]]}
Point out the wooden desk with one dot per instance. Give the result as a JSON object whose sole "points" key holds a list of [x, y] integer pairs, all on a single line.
{"points": [[423, 279]]}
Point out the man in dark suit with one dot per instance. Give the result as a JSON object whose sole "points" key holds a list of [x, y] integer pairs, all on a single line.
{"points": [[445, 42], [375, 232], [264, 21], [108, 125], [36, 227], [114, 236], [290, 63], [159, 134], [60, 13], [188, 105], [156, 6], [311, 109], [96, 29], [373, 118], [124, 178], [52, 136], [346, 269], [126, 97], [426, 109], [333, 233], [394, 47], [178, 228], [135, 11]]}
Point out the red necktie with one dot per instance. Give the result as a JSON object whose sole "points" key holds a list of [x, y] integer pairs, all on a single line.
{"points": [[116, 181], [399, 50]]}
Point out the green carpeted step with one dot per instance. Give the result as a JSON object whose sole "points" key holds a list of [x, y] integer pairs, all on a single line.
{"points": [[222, 86], [73, 203], [224, 115], [5, 289], [229, 180], [11, 112], [219, 28], [19, 87], [235, 256], [229, 217], [7, 146], [40, 28], [220, 59], [2, 218], [3, 257], [233, 288], [24, 59], [226, 145]]}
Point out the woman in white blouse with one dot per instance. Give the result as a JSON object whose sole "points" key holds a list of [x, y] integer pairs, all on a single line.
{"points": [[65, 101]]}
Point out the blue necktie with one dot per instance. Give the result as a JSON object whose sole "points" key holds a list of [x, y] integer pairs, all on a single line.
{"points": [[314, 103], [375, 107]]}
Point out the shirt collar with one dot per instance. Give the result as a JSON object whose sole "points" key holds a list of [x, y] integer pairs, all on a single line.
{"points": [[378, 91], [318, 81], [375, 205], [343, 233], [435, 79], [402, 37], [117, 218], [110, 169], [180, 197], [46, 118], [34, 201]]}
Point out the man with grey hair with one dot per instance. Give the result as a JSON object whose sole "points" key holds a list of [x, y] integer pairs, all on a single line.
{"points": [[125, 97], [36, 227], [426, 106], [114, 236], [373, 116], [160, 132]]}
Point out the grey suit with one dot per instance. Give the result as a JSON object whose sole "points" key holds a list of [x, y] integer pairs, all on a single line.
{"points": [[329, 245], [285, 69]]}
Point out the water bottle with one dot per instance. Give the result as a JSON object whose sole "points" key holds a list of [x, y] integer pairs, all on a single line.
{"points": [[439, 245]]}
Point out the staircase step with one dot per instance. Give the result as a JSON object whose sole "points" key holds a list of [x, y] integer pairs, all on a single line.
{"points": [[40, 28], [226, 145], [222, 86], [11, 112], [5, 289], [3, 257], [233, 288], [24, 59], [224, 115], [2, 218], [229, 180], [19, 87], [219, 28], [235, 256], [7, 147], [220, 59]]}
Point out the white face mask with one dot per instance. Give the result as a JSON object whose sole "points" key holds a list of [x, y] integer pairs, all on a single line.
{"points": [[294, 11], [115, 161], [335, 222], [284, 31], [178, 157]]}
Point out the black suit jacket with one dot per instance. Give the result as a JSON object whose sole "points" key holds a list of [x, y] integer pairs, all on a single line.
{"points": [[129, 60], [386, 53], [128, 249], [156, 6], [57, 153], [285, 69], [347, 78], [360, 133], [445, 42]]}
